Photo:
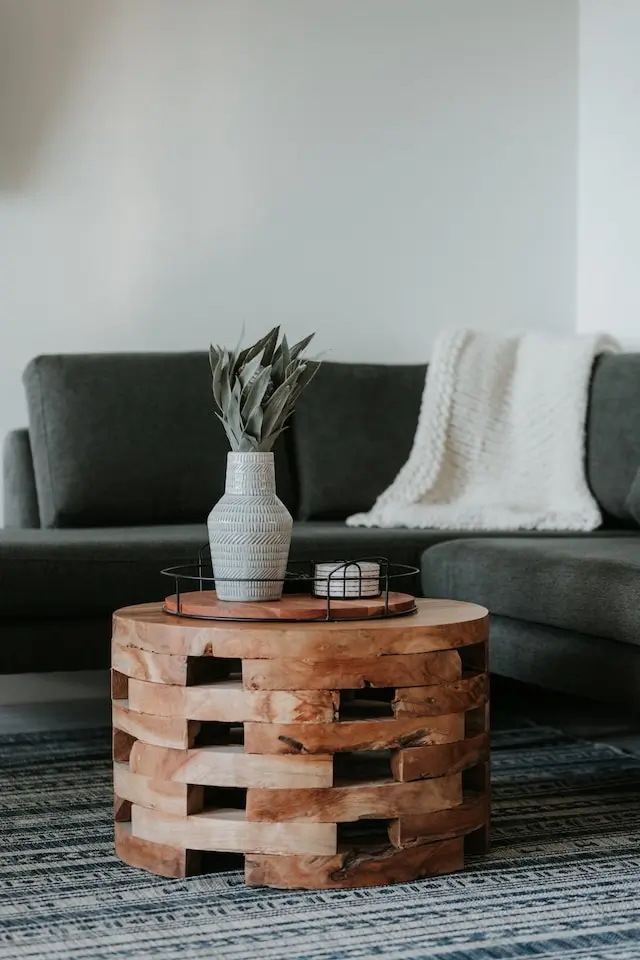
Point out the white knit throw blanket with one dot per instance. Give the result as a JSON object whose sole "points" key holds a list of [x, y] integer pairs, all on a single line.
{"points": [[500, 438]]}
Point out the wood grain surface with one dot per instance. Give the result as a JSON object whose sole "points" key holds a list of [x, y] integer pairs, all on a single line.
{"points": [[230, 766], [166, 795], [163, 731], [349, 736], [159, 858], [439, 760], [229, 702], [438, 625], [439, 824], [380, 799], [428, 701], [228, 830], [401, 670], [355, 868]]}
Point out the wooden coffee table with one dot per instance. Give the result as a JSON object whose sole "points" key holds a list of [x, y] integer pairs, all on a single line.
{"points": [[329, 754]]}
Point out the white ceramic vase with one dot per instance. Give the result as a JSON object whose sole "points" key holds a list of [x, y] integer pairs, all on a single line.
{"points": [[250, 531]]}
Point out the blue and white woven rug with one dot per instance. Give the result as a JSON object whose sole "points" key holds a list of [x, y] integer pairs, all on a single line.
{"points": [[563, 879]]}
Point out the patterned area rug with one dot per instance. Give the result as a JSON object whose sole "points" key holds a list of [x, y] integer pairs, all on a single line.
{"points": [[563, 879]]}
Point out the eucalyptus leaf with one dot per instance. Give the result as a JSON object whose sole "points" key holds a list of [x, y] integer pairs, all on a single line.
{"points": [[277, 375], [286, 356], [249, 353], [234, 408], [231, 437], [306, 373], [247, 444], [214, 356], [237, 352], [254, 396], [301, 345], [275, 406], [255, 389], [269, 441], [218, 378], [253, 426], [249, 370], [271, 341], [225, 383]]}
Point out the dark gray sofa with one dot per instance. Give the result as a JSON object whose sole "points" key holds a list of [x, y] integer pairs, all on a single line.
{"points": [[123, 459]]}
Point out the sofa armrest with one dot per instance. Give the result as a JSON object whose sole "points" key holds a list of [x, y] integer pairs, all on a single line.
{"points": [[20, 500]]}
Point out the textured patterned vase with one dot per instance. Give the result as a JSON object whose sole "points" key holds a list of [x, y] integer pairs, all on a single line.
{"points": [[250, 531]]}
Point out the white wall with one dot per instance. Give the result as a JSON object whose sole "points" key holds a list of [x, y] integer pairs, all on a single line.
{"points": [[609, 168], [372, 169]]}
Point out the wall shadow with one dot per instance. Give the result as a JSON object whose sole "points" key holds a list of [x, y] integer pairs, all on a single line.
{"points": [[41, 42]]}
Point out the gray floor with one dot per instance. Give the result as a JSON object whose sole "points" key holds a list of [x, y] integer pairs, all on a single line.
{"points": [[54, 701], [32, 702]]}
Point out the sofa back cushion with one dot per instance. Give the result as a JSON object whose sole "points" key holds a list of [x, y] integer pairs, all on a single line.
{"points": [[354, 427], [353, 430], [128, 439], [613, 433]]}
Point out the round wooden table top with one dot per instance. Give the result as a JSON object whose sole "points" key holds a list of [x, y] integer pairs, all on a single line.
{"points": [[436, 625]]}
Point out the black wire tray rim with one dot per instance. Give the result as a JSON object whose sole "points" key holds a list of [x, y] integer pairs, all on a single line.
{"points": [[306, 578], [392, 571]]}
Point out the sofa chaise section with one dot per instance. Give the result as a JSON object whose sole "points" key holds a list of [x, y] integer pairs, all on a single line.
{"points": [[565, 612]]}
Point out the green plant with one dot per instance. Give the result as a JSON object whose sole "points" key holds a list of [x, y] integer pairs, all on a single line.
{"points": [[256, 389]]}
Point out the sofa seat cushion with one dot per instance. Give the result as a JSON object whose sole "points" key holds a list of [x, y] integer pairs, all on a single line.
{"points": [[91, 572], [589, 585], [84, 573]]}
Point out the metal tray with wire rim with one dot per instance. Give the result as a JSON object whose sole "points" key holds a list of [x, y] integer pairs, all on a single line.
{"points": [[299, 579]]}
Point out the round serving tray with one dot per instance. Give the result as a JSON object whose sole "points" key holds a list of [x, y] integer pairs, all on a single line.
{"points": [[299, 602], [297, 607]]}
